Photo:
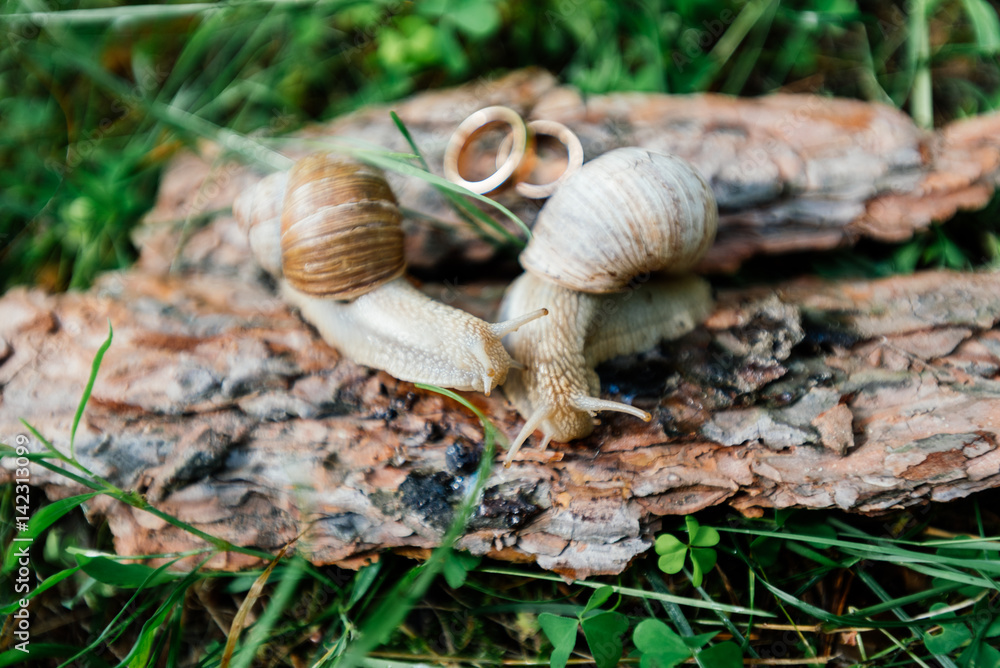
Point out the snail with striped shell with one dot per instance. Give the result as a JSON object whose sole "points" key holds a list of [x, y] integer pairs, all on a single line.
{"points": [[595, 244], [329, 229]]}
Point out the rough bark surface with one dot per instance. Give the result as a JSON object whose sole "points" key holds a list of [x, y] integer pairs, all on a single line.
{"points": [[228, 412], [790, 172]]}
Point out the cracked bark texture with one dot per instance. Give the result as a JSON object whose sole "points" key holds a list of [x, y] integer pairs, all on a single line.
{"points": [[228, 412], [790, 172]]}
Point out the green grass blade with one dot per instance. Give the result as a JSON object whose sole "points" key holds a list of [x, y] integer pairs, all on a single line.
{"points": [[736, 33], [42, 459], [745, 64], [903, 647], [36, 651], [380, 159], [94, 368], [985, 23], [174, 654], [459, 205], [387, 616], [142, 651], [488, 427], [673, 610], [811, 554], [74, 55], [43, 586], [637, 593], [134, 500], [928, 594], [117, 626], [409, 139], [278, 602], [124, 576], [130, 15], [953, 576], [918, 56], [879, 591], [798, 604], [883, 550], [735, 632], [363, 581], [42, 520], [562, 609]]}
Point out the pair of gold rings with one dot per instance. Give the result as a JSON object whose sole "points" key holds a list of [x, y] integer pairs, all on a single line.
{"points": [[516, 155]]}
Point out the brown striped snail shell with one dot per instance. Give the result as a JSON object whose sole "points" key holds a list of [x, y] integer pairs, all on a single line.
{"points": [[332, 202], [330, 230]]}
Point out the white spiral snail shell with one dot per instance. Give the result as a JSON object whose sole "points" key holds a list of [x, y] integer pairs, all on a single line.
{"points": [[595, 246]]}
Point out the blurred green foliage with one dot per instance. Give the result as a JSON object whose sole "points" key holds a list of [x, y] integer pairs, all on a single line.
{"points": [[95, 95]]}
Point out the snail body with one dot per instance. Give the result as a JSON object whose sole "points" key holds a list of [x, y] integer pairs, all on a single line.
{"points": [[623, 216], [401, 330], [328, 230]]}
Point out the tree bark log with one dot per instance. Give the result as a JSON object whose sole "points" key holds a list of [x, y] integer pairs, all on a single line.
{"points": [[225, 410], [790, 172]]}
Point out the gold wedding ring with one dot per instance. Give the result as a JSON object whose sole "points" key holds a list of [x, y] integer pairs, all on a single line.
{"points": [[516, 154], [472, 127], [574, 157]]}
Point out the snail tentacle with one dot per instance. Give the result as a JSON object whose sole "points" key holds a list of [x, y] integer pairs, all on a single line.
{"points": [[505, 327], [593, 404]]}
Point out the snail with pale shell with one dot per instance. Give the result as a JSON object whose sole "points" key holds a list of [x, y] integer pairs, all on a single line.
{"points": [[329, 230], [594, 246]]}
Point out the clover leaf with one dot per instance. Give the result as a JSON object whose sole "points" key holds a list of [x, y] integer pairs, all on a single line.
{"points": [[949, 638], [661, 647], [457, 566], [979, 654], [561, 632], [674, 553], [723, 655], [603, 630]]}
